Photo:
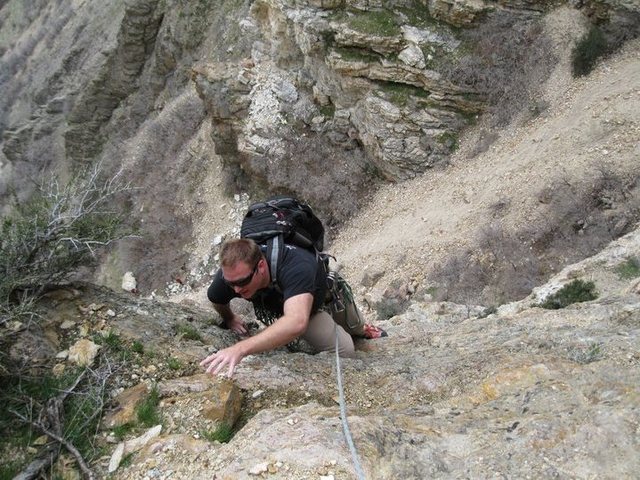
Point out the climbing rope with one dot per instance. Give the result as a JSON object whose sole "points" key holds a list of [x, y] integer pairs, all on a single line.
{"points": [[343, 415]]}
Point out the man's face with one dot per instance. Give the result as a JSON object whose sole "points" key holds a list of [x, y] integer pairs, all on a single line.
{"points": [[245, 279]]}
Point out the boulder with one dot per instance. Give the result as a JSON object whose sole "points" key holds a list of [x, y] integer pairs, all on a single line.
{"points": [[83, 352]]}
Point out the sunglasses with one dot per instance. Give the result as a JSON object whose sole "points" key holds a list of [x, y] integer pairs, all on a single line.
{"points": [[243, 281]]}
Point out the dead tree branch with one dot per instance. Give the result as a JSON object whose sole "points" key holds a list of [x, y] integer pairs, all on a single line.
{"points": [[50, 422], [86, 472]]}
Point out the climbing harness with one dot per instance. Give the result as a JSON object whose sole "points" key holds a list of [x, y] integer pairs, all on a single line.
{"points": [[343, 415], [341, 297]]}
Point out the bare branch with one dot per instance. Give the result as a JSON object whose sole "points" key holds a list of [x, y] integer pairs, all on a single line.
{"points": [[50, 420], [47, 240], [44, 461], [86, 472]]}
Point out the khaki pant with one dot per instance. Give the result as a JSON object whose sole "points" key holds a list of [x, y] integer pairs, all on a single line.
{"points": [[321, 332]]}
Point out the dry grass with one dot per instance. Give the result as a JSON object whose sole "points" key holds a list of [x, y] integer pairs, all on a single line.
{"points": [[507, 57]]}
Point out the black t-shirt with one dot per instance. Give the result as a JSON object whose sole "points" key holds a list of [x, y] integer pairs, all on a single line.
{"points": [[299, 271]]}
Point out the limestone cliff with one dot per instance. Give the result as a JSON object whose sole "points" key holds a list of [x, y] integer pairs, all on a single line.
{"points": [[266, 93]]}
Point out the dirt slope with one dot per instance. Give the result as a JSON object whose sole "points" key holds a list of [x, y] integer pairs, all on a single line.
{"points": [[591, 124]]}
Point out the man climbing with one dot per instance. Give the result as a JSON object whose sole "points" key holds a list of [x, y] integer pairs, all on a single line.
{"points": [[294, 304]]}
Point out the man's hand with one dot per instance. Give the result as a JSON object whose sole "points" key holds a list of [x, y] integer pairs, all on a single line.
{"points": [[236, 324], [232, 321], [231, 356], [291, 325]]}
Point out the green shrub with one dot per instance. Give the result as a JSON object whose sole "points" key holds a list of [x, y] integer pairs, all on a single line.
{"points": [[401, 94], [574, 292], [222, 433], [328, 110], [46, 239], [174, 364], [629, 269], [450, 140], [188, 332], [588, 50], [147, 412], [9, 469], [585, 355], [78, 393], [137, 347], [113, 341], [375, 23], [122, 431], [81, 421], [114, 344], [127, 460]]}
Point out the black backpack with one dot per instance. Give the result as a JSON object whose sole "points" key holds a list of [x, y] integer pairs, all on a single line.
{"points": [[280, 220], [286, 217]]}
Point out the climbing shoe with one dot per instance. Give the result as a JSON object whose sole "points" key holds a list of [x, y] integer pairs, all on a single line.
{"points": [[371, 331]]}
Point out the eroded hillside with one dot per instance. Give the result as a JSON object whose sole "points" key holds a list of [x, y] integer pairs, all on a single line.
{"points": [[200, 102], [452, 391]]}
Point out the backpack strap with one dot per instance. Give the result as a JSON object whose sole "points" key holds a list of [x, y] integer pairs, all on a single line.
{"points": [[274, 252], [275, 247]]}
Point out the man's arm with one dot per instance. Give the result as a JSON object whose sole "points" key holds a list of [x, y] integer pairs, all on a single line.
{"points": [[231, 320], [292, 324]]}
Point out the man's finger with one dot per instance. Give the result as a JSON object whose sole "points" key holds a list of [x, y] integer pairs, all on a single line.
{"points": [[208, 359], [232, 367], [219, 367], [241, 329], [215, 365]]}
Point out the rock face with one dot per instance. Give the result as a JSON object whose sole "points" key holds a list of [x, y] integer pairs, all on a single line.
{"points": [[524, 392], [450, 392], [263, 94], [117, 79], [338, 68], [320, 71]]}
